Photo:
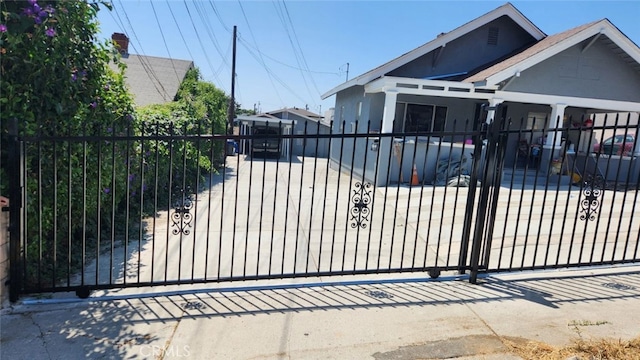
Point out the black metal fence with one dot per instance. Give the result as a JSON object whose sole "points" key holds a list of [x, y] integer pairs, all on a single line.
{"points": [[127, 207]]}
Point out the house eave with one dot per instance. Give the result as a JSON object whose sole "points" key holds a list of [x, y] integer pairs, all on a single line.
{"points": [[603, 27], [505, 10]]}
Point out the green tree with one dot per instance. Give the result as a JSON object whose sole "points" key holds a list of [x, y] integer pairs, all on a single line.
{"points": [[55, 80]]}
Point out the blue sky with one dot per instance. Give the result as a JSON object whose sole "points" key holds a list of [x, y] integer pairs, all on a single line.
{"points": [[289, 52]]}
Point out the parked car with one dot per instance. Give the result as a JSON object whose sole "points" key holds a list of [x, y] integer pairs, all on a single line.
{"points": [[619, 144], [262, 142]]}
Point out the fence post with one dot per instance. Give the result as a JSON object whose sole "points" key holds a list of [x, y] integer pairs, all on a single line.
{"points": [[478, 161], [15, 207], [490, 184]]}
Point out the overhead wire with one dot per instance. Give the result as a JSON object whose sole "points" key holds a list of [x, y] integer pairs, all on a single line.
{"points": [[304, 59], [145, 65], [259, 57], [210, 32], [202, 46], [184, 41], [164, 40], [296, 54]]}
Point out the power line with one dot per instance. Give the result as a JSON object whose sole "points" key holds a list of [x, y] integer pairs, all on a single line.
{"points": [[202, 45], [145, 66], [259, 58], [164, 40], [296, 51], [186, 44]]}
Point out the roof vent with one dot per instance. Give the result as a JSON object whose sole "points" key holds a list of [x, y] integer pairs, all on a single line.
{"points": [[493, 36]]}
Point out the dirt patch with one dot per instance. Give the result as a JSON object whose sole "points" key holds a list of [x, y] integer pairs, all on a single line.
{"points": [[446, 349], [478, 345], [580, 349]]}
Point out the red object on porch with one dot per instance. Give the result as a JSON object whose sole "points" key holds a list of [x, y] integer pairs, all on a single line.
{"points": [[414, 176]]}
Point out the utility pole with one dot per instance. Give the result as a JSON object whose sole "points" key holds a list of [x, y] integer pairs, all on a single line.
{"points": [[232, 101], [347, 72]]}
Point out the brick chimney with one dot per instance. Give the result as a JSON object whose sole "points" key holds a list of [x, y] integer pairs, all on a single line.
{"points": [[122, 43]]}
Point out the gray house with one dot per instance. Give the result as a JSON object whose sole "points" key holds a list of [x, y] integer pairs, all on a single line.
{"points": [[499, 61], [300, 123], [309, 123]]}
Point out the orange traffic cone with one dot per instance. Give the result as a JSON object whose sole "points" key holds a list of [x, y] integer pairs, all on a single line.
{"points": [[414, 176]]}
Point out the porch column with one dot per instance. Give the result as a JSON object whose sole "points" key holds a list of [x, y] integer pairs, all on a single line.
{"points": [[491, 113], [554, 137], [636, 150], [389, 114], [551, 148]]}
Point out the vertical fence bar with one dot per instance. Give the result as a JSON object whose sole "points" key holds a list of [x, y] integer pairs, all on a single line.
{"points": [[313, 193], [195, 199], [275, 198], [470, 209], [335, 215], [354, 129], [325, 196], [15, 208], [141, 210], [84, 204], [128, 184], [363, 187], [483, 204]]}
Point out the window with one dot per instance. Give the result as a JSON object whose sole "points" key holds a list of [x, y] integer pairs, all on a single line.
{"points": [[424, 118], [358, 110], [536, 121]]}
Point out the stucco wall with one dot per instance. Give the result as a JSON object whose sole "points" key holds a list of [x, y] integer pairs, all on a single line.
{"points": [[468, 51], [345, 116], [4, 258], [595, 73], [309, 146]]}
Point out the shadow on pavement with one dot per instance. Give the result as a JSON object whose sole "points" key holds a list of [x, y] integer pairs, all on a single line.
{"points": [[134, 326]]}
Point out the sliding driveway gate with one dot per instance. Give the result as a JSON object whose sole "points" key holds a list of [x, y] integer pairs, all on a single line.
{"points": [[155, 205]]}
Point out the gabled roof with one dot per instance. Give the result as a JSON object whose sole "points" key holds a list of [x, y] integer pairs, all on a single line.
{"points": [[300, 112], [553, 45], [154, 80], [504, 10]]}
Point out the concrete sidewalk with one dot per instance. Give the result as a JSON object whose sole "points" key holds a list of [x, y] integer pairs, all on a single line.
{"points": [[364, 318]]}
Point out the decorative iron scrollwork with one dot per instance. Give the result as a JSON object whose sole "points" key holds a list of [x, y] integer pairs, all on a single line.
{"points": [[592, 191], [181, 216], [361, 199]]}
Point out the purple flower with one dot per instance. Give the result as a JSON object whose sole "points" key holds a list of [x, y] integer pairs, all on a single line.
{"points": [[109, 130], [36, 8], [50, 32], [107, 190], [131, 177], [27, 11], [33, 2], [93, 105], [74, 77], [37, 20], [43, 14], [3, 28]]}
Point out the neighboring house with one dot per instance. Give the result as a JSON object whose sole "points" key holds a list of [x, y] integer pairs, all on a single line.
{"points": [[151, 80], [249, 123], [306, 123], [499, 61], [290, 121]]}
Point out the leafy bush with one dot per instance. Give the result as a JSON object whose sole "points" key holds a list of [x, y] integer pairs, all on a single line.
{"points": [[90, 176], [56, 81]]}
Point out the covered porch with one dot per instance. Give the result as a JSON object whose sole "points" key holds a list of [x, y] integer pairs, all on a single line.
{"points": [[562, 133]]}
